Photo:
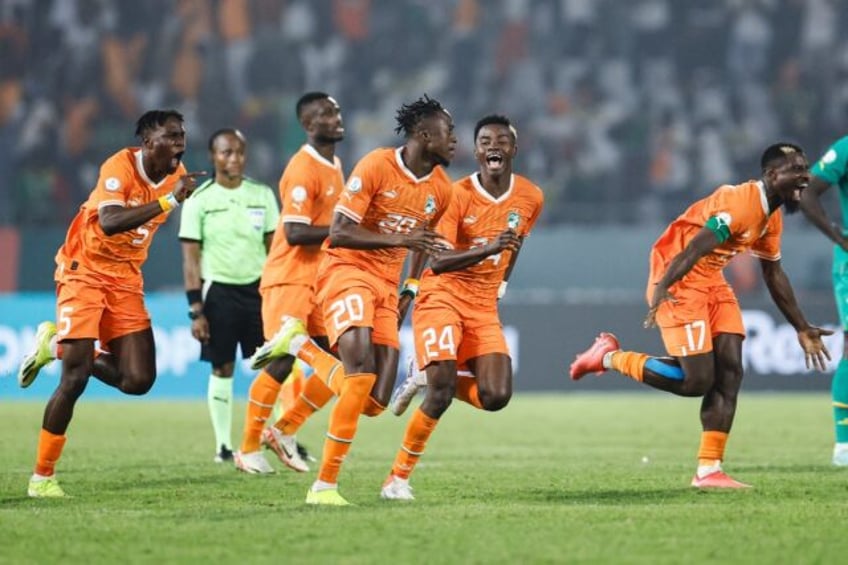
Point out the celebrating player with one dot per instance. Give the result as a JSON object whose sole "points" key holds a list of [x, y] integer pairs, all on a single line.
{"points": [[225, 230], [455, 319], [99, 287], [309, 189], [392, 199], [696, 310]]}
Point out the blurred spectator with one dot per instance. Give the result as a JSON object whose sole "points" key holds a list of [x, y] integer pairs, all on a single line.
{"points": [[621, 106]]}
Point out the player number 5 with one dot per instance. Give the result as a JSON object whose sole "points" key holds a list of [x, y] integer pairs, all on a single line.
{"points": [[65, 320]]}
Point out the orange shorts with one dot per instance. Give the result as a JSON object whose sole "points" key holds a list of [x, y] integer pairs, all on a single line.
{"points": [[449, 328], [90, 308], [352, 297], [701, 312], [296, 300]]}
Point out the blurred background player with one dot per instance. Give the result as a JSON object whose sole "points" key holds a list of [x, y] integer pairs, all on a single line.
{"points": [[309, 189], [225, 230], [832, 169], [455, 319], [392, 199], [696, 310], [99, 286]]}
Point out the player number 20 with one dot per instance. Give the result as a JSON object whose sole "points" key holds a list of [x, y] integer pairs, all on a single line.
{"points": [[347, 310], [435, 341]]}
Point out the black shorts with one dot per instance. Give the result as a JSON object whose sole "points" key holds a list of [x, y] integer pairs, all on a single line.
{"points": [[234, 313]]}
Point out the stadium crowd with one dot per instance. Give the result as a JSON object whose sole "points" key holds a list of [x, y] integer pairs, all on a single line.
{"points": [[626, 110]]}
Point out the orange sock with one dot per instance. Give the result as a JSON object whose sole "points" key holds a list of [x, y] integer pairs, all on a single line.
{"points": [[263, 393], [372, 407], [712, 447], [314, 396], [418, 431], [327, 367], [630, 363], [466, 391], [49, 450], [343, 421]]}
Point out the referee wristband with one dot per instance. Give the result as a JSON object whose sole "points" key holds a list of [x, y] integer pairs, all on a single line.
{"points": [[410, 287], [194, 296], [168, 202]]}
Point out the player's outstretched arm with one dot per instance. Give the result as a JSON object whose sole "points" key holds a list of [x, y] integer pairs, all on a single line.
{"points": [[118, 219], [814, 211], [345, 232], [457, 260], [810, 337], [704, 241], [303, 234]]}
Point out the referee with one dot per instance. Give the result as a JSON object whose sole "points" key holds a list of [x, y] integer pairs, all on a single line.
{"points": [[225, 230]]}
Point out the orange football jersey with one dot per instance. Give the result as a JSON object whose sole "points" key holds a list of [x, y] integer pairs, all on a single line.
{"points": [[87, 249], [744, 209], [474, 218], [309, 189], [384, 196]]}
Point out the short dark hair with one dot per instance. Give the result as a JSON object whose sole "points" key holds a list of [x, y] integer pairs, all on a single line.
{"points": [[410, 115], [307, 99], [225, 131], [154, 118], [778, 152], [495, 119]]}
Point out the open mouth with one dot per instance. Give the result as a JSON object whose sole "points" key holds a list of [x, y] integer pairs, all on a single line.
{"points": [[176, 159], [494, 161]]}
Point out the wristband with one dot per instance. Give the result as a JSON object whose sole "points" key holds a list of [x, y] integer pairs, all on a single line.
{"points": [[168, 202], [194, 296], [410, 287], [502, 290]]}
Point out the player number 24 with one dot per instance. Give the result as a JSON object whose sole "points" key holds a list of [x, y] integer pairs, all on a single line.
{"points": [[435, 341]]}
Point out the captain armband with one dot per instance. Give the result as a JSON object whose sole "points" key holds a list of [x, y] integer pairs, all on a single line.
{"points": [[720, 227], [410, 288], [168, 202]]}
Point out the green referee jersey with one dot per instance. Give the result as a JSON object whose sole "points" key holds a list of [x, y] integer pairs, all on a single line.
{"points": [[230, 224]]}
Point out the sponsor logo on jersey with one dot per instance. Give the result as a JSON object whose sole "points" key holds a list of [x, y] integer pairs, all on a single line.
{"points": [[390, 194], [468, 220], [829, 157]]}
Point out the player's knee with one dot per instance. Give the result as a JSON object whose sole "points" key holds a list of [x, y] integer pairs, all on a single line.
{"points": [[73, 385], [492, 401], [438, 399], [696, 386], [136, 385]]}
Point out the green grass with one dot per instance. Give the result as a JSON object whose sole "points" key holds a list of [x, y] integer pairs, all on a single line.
{"points": [[550, 479]]}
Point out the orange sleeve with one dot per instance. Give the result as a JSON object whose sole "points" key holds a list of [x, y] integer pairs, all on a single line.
{"points": [[768, 246], [114, 183], [445, 197], [538, 201], [298, 191], [448, 225], [360, 189]]}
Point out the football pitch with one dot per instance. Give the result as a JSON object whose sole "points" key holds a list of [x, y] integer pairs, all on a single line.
{"points": [[595, 478]]}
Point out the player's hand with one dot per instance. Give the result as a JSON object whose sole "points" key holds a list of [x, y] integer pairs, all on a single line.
{"points": [[426, 240], [661, 294], [506, 240], [200, 329], [403, 307], [816, 354], [187, 184]]}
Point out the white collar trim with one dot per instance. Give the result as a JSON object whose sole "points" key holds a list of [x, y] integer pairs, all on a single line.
{"points": [[139, 165], [763, 199], [406, 171], [320, 158], [475, 180]]}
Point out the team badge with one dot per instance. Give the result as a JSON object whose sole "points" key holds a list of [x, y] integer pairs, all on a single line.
{"points": [[112, 184], [512, 219], [430, 205], [354, 185]]}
